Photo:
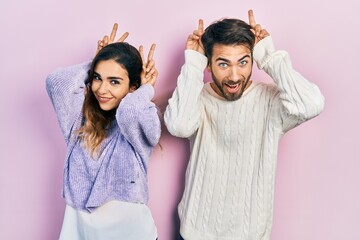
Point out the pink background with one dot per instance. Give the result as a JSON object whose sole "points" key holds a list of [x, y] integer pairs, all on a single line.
{"points": [[318, 176]]}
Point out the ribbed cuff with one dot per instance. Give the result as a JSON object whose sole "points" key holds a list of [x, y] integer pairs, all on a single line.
{"points": [[262, 51], [196, 59]]}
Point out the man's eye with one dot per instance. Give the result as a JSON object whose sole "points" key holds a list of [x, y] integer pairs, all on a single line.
{"points": [[223, 65], [244, 62]]}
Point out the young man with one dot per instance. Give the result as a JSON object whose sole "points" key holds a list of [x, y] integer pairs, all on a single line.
{"points": [[234, 126]]}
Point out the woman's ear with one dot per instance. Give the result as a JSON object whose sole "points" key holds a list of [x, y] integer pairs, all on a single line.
{"points": [[132, 88]]}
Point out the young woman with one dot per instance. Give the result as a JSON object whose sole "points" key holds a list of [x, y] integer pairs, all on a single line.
{"points": [[110, 126]]}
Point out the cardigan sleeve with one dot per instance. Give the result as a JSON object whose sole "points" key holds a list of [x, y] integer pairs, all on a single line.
{"points": [[138, 119], [65, 87], [300, 100], [182, 115]]}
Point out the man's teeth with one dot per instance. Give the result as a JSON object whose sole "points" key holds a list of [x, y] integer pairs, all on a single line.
{"points": [[233, 85]]}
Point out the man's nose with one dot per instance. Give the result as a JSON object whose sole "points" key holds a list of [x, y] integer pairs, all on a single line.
{"points": [[234, 74]]}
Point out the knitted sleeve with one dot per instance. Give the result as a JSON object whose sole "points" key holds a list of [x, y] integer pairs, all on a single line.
{"points": [[138, 118], [65, 87], [182, 115], [300, 100]]}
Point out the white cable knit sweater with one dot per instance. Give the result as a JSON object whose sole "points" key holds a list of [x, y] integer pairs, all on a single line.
{"points": [[230, 177]]}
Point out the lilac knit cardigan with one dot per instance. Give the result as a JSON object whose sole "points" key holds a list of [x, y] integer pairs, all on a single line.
{"points": [[119, 172]]}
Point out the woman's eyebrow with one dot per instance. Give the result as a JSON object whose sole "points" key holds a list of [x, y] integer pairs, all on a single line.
{"points": [[110, 77]]}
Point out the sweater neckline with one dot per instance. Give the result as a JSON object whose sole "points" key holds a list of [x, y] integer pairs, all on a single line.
{"points": [[212, 92]]}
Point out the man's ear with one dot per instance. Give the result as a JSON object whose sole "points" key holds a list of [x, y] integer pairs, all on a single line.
{"points": [[208, 68]]}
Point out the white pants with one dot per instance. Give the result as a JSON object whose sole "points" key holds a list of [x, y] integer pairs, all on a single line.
{"points": [[114, 220]]}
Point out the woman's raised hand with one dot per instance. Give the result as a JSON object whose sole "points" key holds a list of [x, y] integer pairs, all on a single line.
{"points": [[106, 40], [149, 73]]}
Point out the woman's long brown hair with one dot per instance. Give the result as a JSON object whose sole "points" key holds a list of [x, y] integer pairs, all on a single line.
{"points": [[96, 121]]}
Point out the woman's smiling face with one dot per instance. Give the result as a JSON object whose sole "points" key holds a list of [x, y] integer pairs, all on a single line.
{"points": [[110, 84]]}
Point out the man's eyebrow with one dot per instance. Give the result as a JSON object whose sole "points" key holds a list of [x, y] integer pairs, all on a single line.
{"points": [[227, 60], [222, 59], [247, 55]]}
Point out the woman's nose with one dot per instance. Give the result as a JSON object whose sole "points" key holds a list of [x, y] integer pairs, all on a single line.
{"points": [[104, 88]]}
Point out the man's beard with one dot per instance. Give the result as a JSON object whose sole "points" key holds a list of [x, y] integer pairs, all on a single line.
{"points": [[231, 96]]}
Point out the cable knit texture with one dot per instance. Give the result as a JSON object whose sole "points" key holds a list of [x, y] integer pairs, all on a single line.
{"points": [[230, 177], [119, 171]]}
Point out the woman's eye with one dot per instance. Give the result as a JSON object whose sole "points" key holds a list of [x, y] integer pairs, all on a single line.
{"points": [[114, 82], [96, 78]]}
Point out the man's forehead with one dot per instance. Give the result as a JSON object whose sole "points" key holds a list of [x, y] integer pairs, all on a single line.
{"points": [[230, 52]]}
